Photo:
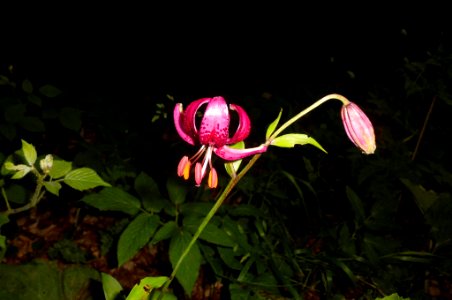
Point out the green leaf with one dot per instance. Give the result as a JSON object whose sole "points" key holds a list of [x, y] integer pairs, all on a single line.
{"points": [[16, 194], [112, 288], [70, 118], [34, 99], [83, 179], [29, 152], [49, 91], [32, 124], [232, 167], [21, 171], [356, 204], [393, 296], [190, 265], [113, 199], [271, 128], [167, 231], [60, 168], [53, 187], [15, 113], [142, 291], [424, 199], [136, 235], [292, 139], [27, 87], [149, 193], [211, 232], [176, 191]]}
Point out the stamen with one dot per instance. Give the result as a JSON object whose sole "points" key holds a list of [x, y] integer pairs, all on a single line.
{"points": [[213, 178], [183, 169]]}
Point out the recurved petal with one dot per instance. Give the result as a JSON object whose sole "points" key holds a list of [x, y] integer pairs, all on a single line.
{"points": [[228, 153], [184, 133], [244, 127], [189, 122]]}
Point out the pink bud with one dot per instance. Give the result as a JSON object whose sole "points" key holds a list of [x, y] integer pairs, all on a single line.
{"points": [[358, 127]]}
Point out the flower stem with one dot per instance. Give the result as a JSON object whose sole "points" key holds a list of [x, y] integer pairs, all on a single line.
{"points": [[232, 183], [306, 111]]}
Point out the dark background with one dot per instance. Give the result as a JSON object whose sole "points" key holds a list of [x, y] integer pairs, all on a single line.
{"points": [[138, 53]]}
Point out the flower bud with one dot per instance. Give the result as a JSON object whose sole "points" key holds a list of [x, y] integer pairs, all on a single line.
{"points": [[46, 163], [358, 127]]}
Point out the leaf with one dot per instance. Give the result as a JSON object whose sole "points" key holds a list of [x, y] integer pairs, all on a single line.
{"points": [[271, 128], [49, 90], [70, 118], [167, 231], [356, 204], [176, 191], [142, 291], [15, 113], [32, 124], [29, 152], [149, 193], [190, 265], [83, 179], [211, 232], [113, 199], [34, 99], [112, 288], [136, 235], [292, 139], [53, 187], [60, 168], [27, 87], [232, 167], [424, 199]]}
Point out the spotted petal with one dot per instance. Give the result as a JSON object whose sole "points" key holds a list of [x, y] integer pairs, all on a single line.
{"points": [[214, 129]]}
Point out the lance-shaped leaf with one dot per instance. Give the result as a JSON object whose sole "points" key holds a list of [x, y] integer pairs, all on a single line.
{"points": [[292, 139], [271, 128], [83, 179], [114, 199]]}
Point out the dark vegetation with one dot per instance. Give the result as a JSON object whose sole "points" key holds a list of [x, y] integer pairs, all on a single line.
{"points": [[304, 223]]}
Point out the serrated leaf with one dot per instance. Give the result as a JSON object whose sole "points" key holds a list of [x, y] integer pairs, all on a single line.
{"points": [[112, 288], [113, 199], [149, 193], [189, 268], [83, 179], [136, 235], [292, 139], [53, 187], [271, 128], [49, 90], [29, 152], [232, 167], [167, 231], [60, 168]]}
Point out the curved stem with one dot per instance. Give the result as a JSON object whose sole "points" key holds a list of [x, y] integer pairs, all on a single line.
{"points": [[306, 111]]}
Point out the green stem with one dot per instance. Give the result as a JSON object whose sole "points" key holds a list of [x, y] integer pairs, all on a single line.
{"points": [[306, 111], [232, 183]]}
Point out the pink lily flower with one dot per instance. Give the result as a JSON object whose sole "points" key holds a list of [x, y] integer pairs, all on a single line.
{"points": [[212, 134], [358, 127]]}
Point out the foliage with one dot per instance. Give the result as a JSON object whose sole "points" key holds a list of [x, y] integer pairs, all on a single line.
{"points": [[303, 223]]}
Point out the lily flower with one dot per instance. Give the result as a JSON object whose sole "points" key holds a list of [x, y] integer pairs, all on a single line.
{"points": [[212, 134], [358, 127]]}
